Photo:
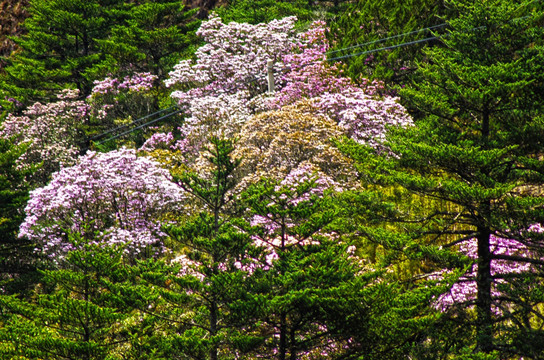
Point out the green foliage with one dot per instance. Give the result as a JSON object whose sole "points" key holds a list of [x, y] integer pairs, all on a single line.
{"points": [[60, 45], [371, 21], [321, 299], [16, 260], [475, 156], [153, 39], [264, 11], [75, 312]]}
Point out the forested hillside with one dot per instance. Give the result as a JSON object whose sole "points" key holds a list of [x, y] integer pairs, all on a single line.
{"points": [[272, 179]]}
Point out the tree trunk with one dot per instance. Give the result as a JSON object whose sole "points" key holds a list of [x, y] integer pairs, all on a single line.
{"points": [[283, 336], [484, 322], [213, 329]]}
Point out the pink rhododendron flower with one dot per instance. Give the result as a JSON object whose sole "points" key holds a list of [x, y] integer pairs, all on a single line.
{"points": [[116, 196]]}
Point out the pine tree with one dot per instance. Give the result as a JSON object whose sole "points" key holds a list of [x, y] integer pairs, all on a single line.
{"points": [[60, 46], [202, 296], [320, 299], [311, 278], [72, 43], [16, 255], [75, 312], [474, 161], [259, 11], [155, 36]]}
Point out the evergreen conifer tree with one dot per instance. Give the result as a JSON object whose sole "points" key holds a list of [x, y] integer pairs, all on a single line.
{"points": [[60, 46], [202, 296], [75, 312], [16, 255], [474, 162], [72, 43], [320, 299], [153, 39]]}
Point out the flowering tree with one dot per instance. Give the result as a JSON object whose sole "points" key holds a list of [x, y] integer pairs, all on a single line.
{"points": [[216, 90], [274, 143], [117, 195], [234, 54], [53, 132], [219, 99], [306, 71], [212, 116]]}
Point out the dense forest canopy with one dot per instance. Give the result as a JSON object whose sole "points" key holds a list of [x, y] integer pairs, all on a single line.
{"points": [[271, 179]]}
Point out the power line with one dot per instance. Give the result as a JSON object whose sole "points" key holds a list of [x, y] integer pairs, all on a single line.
{"points": [[384, 48], [388, 38], [130, 124], [406, 43], [138, 127]]}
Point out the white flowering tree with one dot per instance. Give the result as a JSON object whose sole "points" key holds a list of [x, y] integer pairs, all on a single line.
{"points": [[53, 132]]}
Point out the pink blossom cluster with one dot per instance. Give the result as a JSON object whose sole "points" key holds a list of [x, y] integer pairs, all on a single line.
{"points": [[465, 289], [158, 140], [51, 130], [221, 116], [306, 172], [234, 53], [117, 197], [105, 86], [218, 87], [308, 73], [135, 82], [365, 118]]}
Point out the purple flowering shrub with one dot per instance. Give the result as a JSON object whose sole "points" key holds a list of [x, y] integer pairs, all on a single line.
{"points": [[233, 54], [52, 131], [363, 117], [117, 195], [308, 74], [464, 291], [159, 140], [216, 91], [219, 99]]}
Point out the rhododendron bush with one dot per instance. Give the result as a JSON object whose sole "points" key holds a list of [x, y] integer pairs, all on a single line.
{"points": [[117, 195], [53, 131], [507, 263], [234, 54], [222, 89], [274, 143]]}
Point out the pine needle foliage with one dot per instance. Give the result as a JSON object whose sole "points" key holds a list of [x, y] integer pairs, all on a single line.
{"points": [[476, 155], [75, 312], [16, 259]]}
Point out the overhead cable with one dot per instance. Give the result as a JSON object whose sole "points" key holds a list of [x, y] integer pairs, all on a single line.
{"points": [[388, 38]]}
